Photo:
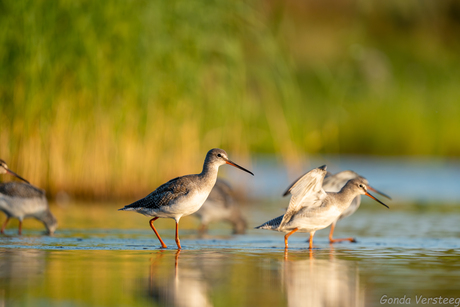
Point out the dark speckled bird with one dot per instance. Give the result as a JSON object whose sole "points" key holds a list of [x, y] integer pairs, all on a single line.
{"points": [[22, 200], [184, 195]]}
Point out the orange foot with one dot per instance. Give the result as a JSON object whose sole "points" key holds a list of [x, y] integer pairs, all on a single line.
{"points": [[352, 240]]}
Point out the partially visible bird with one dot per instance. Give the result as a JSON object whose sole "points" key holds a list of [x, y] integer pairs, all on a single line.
{"points": [[333, 183], [184, 195], [221, 206], [311, 208], [23, 200]]}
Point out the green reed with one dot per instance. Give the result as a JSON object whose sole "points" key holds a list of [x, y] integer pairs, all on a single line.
{"points": [[109, 99]]}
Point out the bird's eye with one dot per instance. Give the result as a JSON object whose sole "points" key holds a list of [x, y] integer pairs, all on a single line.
{"points": [[361, 186], [219, 155]]}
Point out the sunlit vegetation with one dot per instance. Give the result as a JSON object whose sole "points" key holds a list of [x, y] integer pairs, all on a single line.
{"points": [[110, 99]]}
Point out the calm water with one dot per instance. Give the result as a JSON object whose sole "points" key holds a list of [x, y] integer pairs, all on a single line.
{"points": [[102, 257]]}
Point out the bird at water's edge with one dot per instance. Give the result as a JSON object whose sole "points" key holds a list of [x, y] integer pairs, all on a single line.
{"points": [[334, 183], [184, 195], [221, 206], [311, 208], [21, 200]]}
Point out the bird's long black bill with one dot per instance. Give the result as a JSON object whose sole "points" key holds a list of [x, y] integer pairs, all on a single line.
{"points": [[377, 191], [16, 175], [376, 199], [236, 165]]}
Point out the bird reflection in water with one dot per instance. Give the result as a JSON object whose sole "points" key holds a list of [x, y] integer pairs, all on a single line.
{"points": [[186, 287], [321, 282]]}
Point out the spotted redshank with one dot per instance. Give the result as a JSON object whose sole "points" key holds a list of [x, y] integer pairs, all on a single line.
{"points": [[21, 200], [184, 195], [311, 208], [333, 183], [221, 206]]}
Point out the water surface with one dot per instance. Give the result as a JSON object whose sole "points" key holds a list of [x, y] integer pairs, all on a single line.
{"points": [[102, 257]]}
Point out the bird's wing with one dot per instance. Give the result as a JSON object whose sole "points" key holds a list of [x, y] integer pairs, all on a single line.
{"points": [[334, 183], [164, 194], [19, 189], [307, 191]]}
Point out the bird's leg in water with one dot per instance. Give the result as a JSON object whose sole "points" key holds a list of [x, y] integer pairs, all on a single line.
{"points": [[331, 240], [287, 236], [156, 232]]}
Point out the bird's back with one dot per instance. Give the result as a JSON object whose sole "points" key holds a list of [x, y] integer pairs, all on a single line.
{"points": [[22, 200], [164, 195], [20, 190]]}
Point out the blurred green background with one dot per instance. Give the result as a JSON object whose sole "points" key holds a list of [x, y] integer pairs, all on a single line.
{"points": [[111, 98]]}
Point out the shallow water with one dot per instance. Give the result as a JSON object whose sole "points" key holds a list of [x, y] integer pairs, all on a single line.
{"points": [[102, 257]]}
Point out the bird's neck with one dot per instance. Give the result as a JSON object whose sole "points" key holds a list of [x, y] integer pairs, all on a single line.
{"points": [[209, 174], [346, 196]]}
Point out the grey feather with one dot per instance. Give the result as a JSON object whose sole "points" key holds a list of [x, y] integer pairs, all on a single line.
{"points": [[164, 194], [19, 189]]}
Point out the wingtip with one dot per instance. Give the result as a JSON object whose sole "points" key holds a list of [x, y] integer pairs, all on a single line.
{"points": [[323, 167]]}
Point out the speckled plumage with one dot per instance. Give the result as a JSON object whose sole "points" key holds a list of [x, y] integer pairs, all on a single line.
{"points": [[184, 195], [18, 189], [163, 195]]}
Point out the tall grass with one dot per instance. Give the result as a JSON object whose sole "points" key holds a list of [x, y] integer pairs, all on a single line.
{"points": [[109, 99]]}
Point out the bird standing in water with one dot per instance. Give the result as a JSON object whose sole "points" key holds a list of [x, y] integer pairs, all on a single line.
{"points": [[184, 195], [221, 206], [22, 200], [311, 208], [333, 183]]}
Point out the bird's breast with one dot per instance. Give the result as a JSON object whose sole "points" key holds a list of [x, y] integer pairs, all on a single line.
{"points": [[186, 204]]}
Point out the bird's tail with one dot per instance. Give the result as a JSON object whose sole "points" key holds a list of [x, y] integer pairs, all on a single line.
{"points": [[272, 224], [126, 208]]}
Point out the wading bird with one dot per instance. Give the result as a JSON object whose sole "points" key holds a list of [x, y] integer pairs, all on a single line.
{"points": [[221, 206], [21, 200], [311, 208], [333, 183], [184, 195]]}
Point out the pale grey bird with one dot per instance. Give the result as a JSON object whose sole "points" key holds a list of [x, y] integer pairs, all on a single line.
{"points": [[334, 183], [221, 206], [184, 195], [23, 200], [311, 208]]}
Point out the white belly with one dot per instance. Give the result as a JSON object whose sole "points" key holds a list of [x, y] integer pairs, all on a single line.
{"points": [[314, 221], [183, 206], [20, 207]]}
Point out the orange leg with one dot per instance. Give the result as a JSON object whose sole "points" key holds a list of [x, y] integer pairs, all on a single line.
{"points": [[177, 236], [287, 236], [331, 240], [311, 239], [176, 263], [20, 228], [4, 225], [163, 245]]}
